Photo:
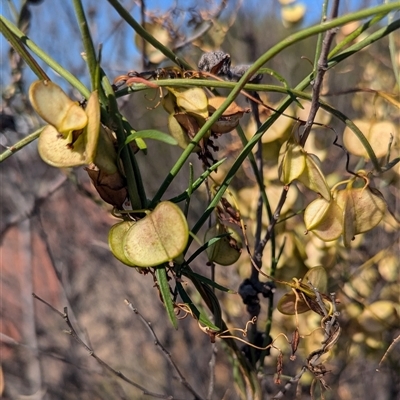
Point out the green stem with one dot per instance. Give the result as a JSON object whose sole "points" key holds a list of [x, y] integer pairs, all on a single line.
{"points": [[318, 47], [90, 54], [197, 183], [16, 43], [355, 34], [20, 144], [163, 285], [136, 193], [46, 58]]}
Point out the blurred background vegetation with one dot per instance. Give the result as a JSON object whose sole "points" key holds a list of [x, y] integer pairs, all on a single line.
{"points": [[54, 229]]}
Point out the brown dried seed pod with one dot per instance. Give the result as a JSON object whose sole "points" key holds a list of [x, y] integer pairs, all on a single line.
{"points": [[215, 62]]}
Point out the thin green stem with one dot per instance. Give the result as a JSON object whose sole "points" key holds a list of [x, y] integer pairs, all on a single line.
{"points": [[355, 34], [90, 54], [20, 144], [318, 47], [253, 164], [271, 72], [189, 191], [136, 193], [197, 183], [46, 58], [17, 45]]}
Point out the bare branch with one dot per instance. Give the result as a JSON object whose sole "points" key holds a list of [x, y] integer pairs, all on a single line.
{"points": [[320, 73], [166, 353], [71, 331]]}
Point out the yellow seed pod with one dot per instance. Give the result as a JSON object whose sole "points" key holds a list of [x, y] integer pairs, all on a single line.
{"points": [[159, 237], [193, 100], [227, 250], [56, 108], [178, 132], [313, 178], [292, 162], [363, 209], [116, 239], [229, 119], [324, 219]]}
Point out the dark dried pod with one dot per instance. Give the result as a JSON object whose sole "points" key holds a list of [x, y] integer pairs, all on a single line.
{"points": [[215, 62], [295, 343], [279, 368], [230, 209]]}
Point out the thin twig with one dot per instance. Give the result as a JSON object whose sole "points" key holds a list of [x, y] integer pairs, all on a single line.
{"points": [[212, 364], [9, 341], [213, 360], [395, 340], [71, 331], [260, 167], [168, 356], [322, 67], [288, 385], [275, 219], [145, 60], [258, 251]]}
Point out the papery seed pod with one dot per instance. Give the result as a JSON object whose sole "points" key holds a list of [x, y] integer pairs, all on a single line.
{"points": [[227, 250], [345, 201], [363, 209], [292, 163], [93, 133], [111, 187], [116, 239], [313, 178], [229, 120], [106, 155], [56, 108], [292, 14], [192, 100], [178, 125], [376, 317], [58, 151], [377, 133], [189, 123], [159, 237], [324, 219], [169, 103], [73, 134]]}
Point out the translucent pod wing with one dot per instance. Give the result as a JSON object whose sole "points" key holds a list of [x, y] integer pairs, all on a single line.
{"points": [[290, 304]]}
